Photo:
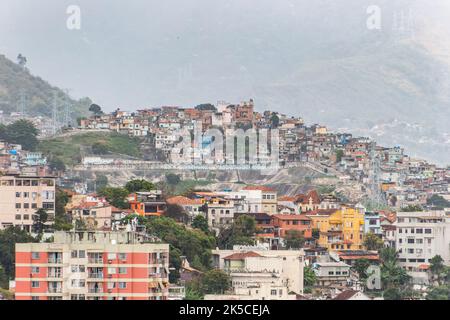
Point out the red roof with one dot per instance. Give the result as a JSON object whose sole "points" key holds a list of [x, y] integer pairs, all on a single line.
{"points": [[304, 198], [242, 255], [291, 217], [262, 188], [184, 201]]}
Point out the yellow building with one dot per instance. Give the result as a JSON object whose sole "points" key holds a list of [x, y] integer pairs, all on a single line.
{"points": [[341, 229]]}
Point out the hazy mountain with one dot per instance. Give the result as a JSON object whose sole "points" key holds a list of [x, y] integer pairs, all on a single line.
{"points": [[316, 59], [22, 91]]}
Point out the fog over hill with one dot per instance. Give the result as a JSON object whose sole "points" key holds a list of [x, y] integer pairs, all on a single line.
{"points": [[316, 59]]}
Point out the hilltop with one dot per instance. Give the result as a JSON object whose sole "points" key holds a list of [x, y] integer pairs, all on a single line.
{"points": [[38, 94]]}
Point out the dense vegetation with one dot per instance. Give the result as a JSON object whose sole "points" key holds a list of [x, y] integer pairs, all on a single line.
{"points": [[69, 149], [39, 95]]}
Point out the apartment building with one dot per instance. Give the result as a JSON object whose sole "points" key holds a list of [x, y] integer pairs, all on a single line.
{"points": [[220, 212], [148, 203], [256, 271], [21, 196], [261, 199], [92, 266], [419, 237], [340, 229]]}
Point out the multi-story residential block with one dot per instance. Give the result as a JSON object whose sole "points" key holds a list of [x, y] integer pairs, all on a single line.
{"points": [[92, 266], [252, 268], [149, 203], [21, 196], [331, 273], [191, 206], [220, 212], [95, 212], [261, 199], [420, 236], [342, 229], [284, 223], [372, 223]]}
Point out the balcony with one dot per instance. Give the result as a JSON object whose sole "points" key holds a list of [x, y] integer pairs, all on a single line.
{"points": [[95, 260], [54, 275], [98, 275], [55, 290], [53, 260], [95, 290]]}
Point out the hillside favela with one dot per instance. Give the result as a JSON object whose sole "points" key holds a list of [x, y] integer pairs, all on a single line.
{"points": [[213, 199]]}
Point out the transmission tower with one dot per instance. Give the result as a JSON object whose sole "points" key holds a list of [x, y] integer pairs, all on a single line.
{"points": [[54, 114], [66, 120]]}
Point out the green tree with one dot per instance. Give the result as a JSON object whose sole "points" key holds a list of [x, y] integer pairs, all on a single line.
{"points": [[309, 277], [8, 239], [176, 212], [101, 182], [21, 132], [274, 120], [438, 202], [62, 220], [240, 233], [395, 279], [41, 217], [95, 109], [138, 185], [339, 155], [190, 242], [412, 208], [100, 148], [173, 179], [200, 223], [294, 239], [215, 281], [437, 269], [115, 196], [439, 293], [360, 267], [373, 242], [56, 164]]}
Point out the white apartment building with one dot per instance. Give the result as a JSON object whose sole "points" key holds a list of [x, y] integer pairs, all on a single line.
{"points": [[419, 237], [22, 196], [259, 273]]}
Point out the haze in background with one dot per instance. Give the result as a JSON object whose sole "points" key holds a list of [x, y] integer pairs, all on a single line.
{"points": [[316, 59]]}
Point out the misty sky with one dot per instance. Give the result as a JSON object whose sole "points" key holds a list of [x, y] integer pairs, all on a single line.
{"points": [[178, 52]]}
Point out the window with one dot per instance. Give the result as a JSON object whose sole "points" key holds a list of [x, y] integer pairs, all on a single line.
{"points": [[410, 240], [330, 273], [35, 255], [273, 292], [34, 270], [419, 241], [112, 270], [428, 231], [26, 217], [26, 194], [18, 206], [74, 254], [17, 194], [18, 217], [112, 256], [26, 205], [34, 298], [34, 206], [410, 250], [122, 270], [81, 254], [122, 285], [35, 284], [419, 230], [122, 256]]}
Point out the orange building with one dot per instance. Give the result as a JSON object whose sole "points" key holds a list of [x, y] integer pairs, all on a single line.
{"points": [[292, 222], [149, 203], [92, 266]]}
